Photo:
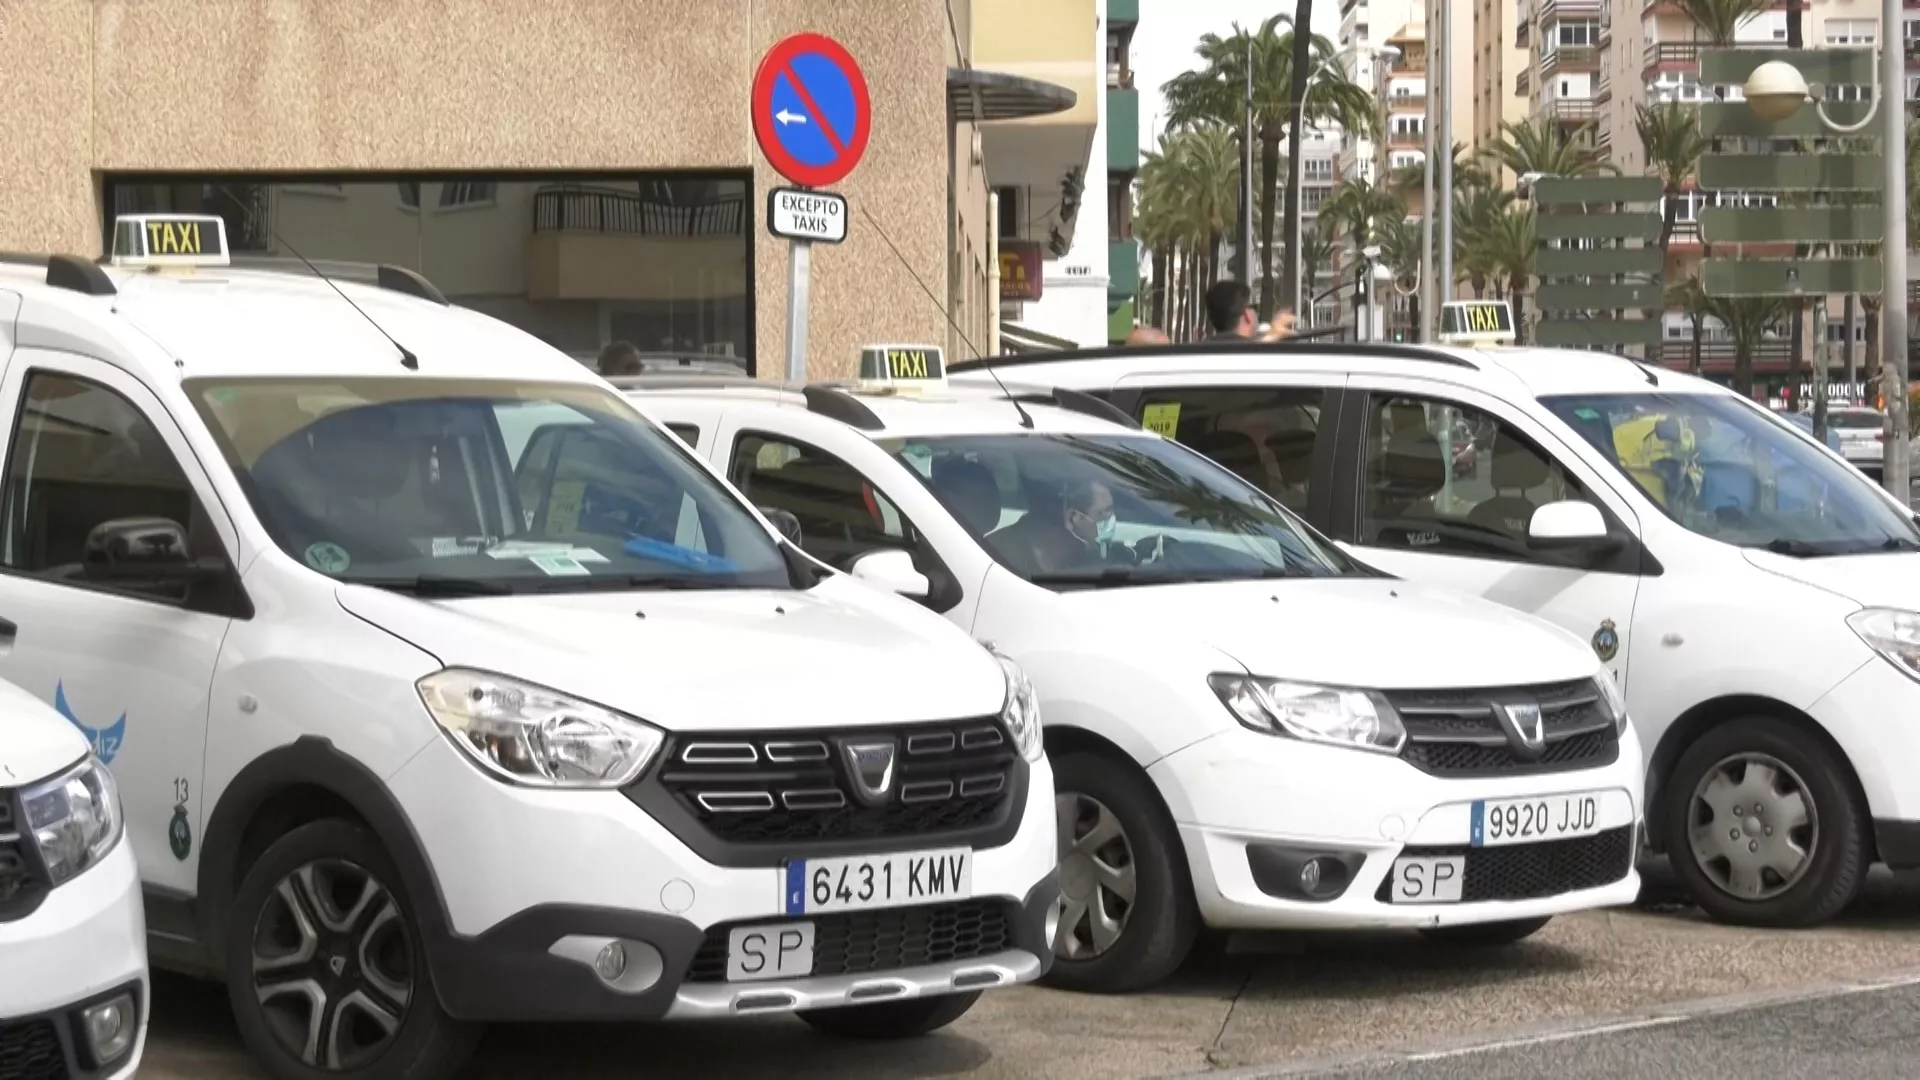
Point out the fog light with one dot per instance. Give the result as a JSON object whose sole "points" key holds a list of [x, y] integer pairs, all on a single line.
{"points": [[1310, 877], [612, 962], [110, 1028]]}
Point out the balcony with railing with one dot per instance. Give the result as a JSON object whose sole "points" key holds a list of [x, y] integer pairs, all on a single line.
{"points": [[1572, 111], [1523, 83], [1603, 88], [1401, 139], [1554, 11], [600, 243], [1570, 58], [1669, 56]]}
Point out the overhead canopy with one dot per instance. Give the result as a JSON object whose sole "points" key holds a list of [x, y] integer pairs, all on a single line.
{"points": [[1020, 339], [977, 97]]}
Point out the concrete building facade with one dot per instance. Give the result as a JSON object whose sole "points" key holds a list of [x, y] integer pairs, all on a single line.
{"points": [[584, 168]]}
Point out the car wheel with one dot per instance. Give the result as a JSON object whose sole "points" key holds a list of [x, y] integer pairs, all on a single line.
{"points": [[893, 1019], [1762, 826], [1128, 917], [325, 966], [1487, 935]]}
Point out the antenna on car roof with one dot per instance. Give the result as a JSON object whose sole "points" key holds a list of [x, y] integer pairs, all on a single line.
{"points": [[407, 359]]}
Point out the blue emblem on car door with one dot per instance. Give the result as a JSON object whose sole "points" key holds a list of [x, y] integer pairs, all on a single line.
{"points": [[106, 740]]}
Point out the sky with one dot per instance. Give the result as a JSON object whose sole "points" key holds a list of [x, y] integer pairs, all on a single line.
{"points": [[1169, 29]]}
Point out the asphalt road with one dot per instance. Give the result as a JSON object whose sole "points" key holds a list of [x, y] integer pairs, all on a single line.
{"points": [[1272, 1006]]}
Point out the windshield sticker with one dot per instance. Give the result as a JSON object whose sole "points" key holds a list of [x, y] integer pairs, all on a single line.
{"points": [[328, 557], [558, 565], [445, 546], [1162, 419], [563, 506], [528, 549], [661, 551]]}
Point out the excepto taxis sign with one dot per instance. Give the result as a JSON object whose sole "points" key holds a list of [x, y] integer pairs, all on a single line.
{"points": [[816, 216]]}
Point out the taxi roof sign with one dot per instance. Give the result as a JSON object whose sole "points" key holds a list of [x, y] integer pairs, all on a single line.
{"points": [[1476, 322], [902, 366], [159, 240]]}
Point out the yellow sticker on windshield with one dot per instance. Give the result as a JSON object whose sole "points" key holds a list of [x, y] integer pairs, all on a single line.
{"points": [[1163, 419], [563, 507]]}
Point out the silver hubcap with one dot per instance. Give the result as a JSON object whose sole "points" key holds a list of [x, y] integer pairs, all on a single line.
{"points": [[332, 965], [1096, 878], [1753, 827]]}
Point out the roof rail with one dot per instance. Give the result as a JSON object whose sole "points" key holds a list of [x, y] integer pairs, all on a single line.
{"points": [[69, 272], [835, 404], [1080, 402], [1265, 348], [402, 280]]}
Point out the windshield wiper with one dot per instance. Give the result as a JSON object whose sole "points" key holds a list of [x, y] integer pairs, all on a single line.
{"points": [[1808, 549], [622, 582], [436, 585]]}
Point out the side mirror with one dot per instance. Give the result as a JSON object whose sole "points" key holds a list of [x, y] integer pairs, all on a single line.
{"points": [[784, 521], [139, 549], [1572, 523], [892, 571]]}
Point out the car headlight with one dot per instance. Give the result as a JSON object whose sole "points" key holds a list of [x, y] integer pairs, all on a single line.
{"points": [[1324, 714], [1892, 633], [1614, 701], [531, 735], [1021, 713], [74, 818]]}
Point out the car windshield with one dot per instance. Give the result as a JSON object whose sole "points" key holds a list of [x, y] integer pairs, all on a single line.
{"points": [[1855, 419], [474, 487], [1725, 469], [1099, 511]]}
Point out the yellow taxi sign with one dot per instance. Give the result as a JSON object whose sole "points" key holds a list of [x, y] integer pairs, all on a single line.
{"points": [[896, 364], [1477, 322], [170, 240]]}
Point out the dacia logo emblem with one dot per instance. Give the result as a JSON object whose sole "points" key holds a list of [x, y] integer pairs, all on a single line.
{"points": [[1526, 727], [870, 766]]}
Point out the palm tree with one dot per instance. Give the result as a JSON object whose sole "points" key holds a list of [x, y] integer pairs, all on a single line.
{"points": [[1216, 95], [1671, 138], [1412, 179], [1720, 20], [1474, 211], [1747, 319], [1189, 193], [1507, 245], [1541, 146], [1690, 297], [1317, 247]]}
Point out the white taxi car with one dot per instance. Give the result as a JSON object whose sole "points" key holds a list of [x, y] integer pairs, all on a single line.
{"points": [[1250, 729], [1758, 600], [443, 688], [73, 943]]}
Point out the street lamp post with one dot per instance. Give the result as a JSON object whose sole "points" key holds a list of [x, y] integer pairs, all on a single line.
{"points": [[1443, 144], [1298, 169]]}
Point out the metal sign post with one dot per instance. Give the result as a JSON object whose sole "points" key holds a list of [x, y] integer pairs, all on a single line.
{"points": [[811, 117]]}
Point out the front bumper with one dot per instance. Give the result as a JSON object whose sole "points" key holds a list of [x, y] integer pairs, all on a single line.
{"points": [[1252, 808], [85, 944], [536, 883]]}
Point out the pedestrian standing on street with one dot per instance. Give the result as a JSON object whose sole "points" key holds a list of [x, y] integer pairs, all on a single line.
{"points": [[619, 358], [1283, 323], [1147, 335], [1230, 312]]}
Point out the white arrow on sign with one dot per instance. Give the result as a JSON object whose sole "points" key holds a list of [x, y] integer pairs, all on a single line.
{"points": [[786, 117], [816, 216]]}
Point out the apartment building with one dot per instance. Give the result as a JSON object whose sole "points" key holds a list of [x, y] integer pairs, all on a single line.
{"points": [[1502, 63], [1123, 166], [1559, 82]]}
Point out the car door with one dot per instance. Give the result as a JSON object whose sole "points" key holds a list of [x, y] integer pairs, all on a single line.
{"points": [[852, 499], [1276, 431], [126, 659], [1438, 484]]}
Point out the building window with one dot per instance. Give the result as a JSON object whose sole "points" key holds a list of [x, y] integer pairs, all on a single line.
{"points": [[1316, 169], [1119, 208], [1119, 71], [1579, 33], [671, 252], [1409, 125], [1848, 32]]}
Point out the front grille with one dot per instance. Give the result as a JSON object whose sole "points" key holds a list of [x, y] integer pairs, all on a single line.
{"points": [[30, 1050], [867, 942], [797, 787], [1457, 733], [1533, 871]]}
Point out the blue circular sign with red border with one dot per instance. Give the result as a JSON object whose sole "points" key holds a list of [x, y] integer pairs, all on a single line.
{"points": [[811, 113]]}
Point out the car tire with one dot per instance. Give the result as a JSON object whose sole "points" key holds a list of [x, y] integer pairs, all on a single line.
{"points": [[1158, 924], [892, 1019], [1486, 935], [326, 970], [1826, 822]]}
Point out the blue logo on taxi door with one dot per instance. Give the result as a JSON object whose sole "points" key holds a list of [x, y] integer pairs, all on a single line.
{"points": [[106, 740]]}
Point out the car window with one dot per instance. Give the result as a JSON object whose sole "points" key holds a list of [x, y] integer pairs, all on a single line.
{"points": [[1856, 420], [1265, 434], [1722, 467], [83, 456], [688, 433], [1443, 478], [842, 515], [481, 485], [1106, 511]]}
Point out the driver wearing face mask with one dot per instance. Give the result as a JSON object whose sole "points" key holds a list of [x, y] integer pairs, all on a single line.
{"points": [[1078, 537]]}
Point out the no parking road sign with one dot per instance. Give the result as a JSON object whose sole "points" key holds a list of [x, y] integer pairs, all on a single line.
{"points": [[811, 113]]}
